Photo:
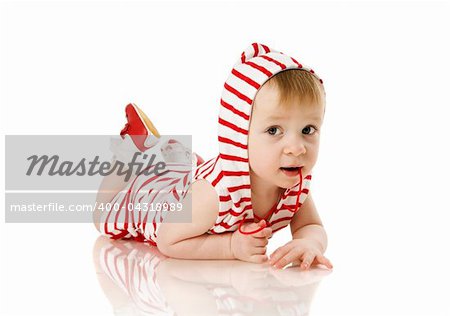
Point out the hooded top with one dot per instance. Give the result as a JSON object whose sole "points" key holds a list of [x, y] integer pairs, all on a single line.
{"points": [[228, 173]]}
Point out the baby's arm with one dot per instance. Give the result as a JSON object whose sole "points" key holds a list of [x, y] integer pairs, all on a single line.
{"points": [[309, 240], [190, 240], [306, 224]]}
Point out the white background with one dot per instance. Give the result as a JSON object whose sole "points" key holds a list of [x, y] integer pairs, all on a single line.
{"points": [[381, 182]]}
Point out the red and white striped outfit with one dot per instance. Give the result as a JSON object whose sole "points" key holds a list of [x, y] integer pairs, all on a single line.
{"points": [[228, 173]]}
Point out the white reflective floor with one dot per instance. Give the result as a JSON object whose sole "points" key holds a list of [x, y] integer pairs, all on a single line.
{"points": [[140, 281], [70, 270]]}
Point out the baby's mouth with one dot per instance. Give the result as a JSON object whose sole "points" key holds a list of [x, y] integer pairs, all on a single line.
{"points": [[290, 168], [291, 171]]}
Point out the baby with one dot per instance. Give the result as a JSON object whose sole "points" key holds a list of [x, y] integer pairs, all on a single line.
{"points": [[271, 112]]}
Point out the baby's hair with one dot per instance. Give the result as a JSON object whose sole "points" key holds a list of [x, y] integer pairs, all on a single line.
{"points": [[297, 85]]}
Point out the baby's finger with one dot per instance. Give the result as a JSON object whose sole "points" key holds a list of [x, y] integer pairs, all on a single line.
{"points": [[260, 250], [323, 260], [258, 258], [288, 258], [264, 233], [259, 242], [279, 253], [307, 260]]}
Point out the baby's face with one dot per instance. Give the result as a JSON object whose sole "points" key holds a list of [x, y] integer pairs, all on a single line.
{"points": [[282, 137]]}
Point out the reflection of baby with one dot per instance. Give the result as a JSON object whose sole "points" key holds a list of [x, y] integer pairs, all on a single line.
{"points": [[139, 280], [271, 113], [126, 273]]}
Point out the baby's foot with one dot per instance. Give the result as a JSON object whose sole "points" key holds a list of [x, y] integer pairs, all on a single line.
{"points": [[174, 151]]}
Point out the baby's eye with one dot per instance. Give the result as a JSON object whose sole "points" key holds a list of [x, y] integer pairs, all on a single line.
{"points": [[309, 130], [272, 130]]}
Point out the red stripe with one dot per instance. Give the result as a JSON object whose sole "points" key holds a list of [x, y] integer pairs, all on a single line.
{"points": [[256, 48], [260, 68], [232, 126], [233, 158], [228, 226], [243, 199], [250, 81], [282, 208], [225, 225], [280, 220], [228, 173], [147, 182], [292, 193], [151, 242], [185, 179], [242, 57], [238, 94], [139, 238], [216, 180], [239, 187], [154, 225], [139, 214], [235, 173], [145, 221], [230, 211], [105, 227], [212, 169], [237, 204], [164, 179], [282, 66], [265, 48], [175, 194], [205, 168], [232, 142], [298, 64], [120, 235], [291, 206], [233, 212], [232, 109], [125, 200]]}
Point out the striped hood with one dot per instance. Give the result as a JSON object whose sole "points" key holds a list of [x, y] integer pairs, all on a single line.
{"points": [[257, 64]]}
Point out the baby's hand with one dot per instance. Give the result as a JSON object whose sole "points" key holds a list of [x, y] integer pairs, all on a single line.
{"points": [[251, 248], [298, 251]]}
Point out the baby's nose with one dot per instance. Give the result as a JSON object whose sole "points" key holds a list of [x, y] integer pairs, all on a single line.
{"points": [[296, 148]]}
